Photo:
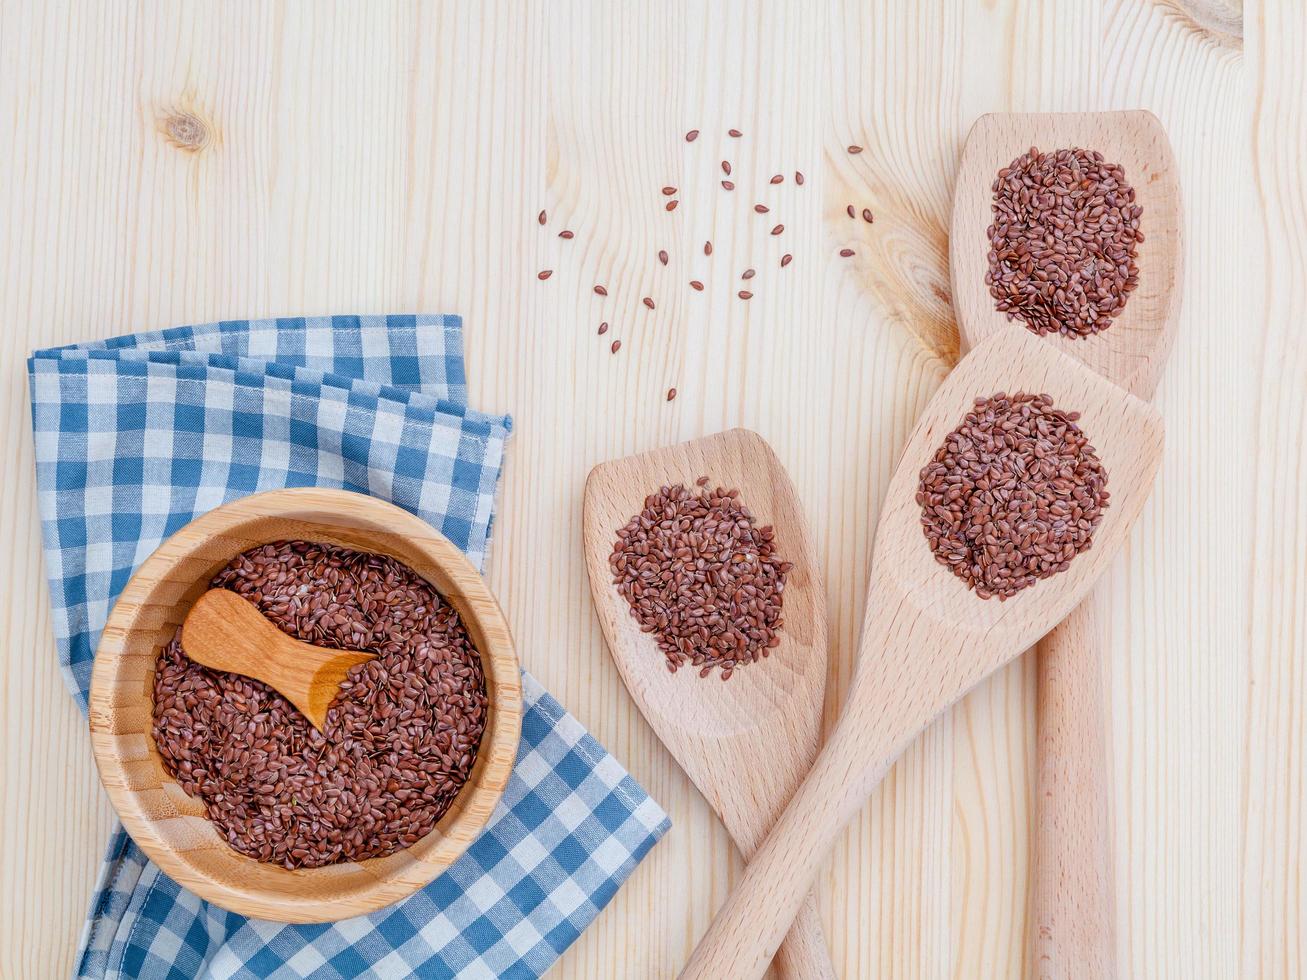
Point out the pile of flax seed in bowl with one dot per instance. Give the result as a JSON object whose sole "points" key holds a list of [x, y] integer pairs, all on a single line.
{"points": [[701, 575], [400, 739]]}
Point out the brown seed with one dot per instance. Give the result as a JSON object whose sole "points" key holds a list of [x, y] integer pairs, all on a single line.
{"points": [[601, 291], [726, 167], [702, 577], [671, 205], [845, 252], [566, 234], [749, 274], [734, 132], [1063, 242], [691, 136], [867, 215], [778, 179], [648, 302], [761, 208], [671, 393], [728, 185], [707, 248], [855, 149], [778, 229], [851, 213], [745, 294], [696, 285], [662, 256], [798, 178], [281, 792], [542, 217], [616, 346], [1012, 495], [786, 259], [544, 274], [603, 328], [668, 191]]}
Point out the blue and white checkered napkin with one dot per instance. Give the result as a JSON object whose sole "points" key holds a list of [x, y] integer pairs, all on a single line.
{"points": [[137, 435]]}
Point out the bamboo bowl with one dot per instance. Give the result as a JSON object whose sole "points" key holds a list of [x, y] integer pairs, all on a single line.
{"points": [[170, 826]]}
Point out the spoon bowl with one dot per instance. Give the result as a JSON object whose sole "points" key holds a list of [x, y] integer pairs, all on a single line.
{"points": [[746, 743], [926, 639], [1133, 349]]}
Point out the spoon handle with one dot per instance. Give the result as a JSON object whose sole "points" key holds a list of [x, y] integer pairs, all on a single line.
{"points": [[1074, 900]]}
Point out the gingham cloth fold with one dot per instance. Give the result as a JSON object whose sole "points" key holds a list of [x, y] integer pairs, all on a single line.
{"points": [[137, 435]]}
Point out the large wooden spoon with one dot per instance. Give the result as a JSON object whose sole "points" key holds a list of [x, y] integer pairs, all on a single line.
{"points": [[1074, 900], [747, 742], [926, 640], [225, 632]]}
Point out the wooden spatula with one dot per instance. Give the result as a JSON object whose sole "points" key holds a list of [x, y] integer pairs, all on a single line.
{"points": [[927, 640], [225, 632], [747, 742], [1074, 901]]}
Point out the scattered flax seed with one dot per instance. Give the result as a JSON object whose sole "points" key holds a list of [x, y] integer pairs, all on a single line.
{"points": [[691, 136], [601, 291], [726, 167], [707, 248], [855, 149], [851, 213], [696, 285], [542, 217], [648, 302], [701, 482], [544, 274], [603, 328], [778, 179], [702, 577], [778, 229], [727, 185], [735, 133], [867, 216], [786, 259], [745, 294], [662, 256], [798, 178], [617, 345], [566, 234], [845, 252], [668, 191], [761, 208], [749, 273], [671, 393], [1012, 495], [671, 205]]}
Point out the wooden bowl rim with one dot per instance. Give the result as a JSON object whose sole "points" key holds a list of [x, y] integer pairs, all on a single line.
{"points": [[405, 871]]}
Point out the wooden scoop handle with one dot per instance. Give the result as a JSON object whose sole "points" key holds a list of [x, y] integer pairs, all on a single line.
{"points": [[1074, 898], [225, 632]]}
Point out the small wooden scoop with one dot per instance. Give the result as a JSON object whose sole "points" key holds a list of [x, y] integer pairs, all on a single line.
{"points": [[225, 632], [747, 742], [1074, 904], [927, 640]]}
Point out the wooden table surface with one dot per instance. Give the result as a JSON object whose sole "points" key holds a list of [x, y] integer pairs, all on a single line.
{"points": [[168, 163]]}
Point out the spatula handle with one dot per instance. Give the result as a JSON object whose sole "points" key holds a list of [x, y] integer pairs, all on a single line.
{"points": [[803, 954], [747, 931], [1074, 899]]}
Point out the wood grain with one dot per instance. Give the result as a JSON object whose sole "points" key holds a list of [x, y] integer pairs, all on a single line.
{"points": [[364, 159], [748, 744], [170, 825]]}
